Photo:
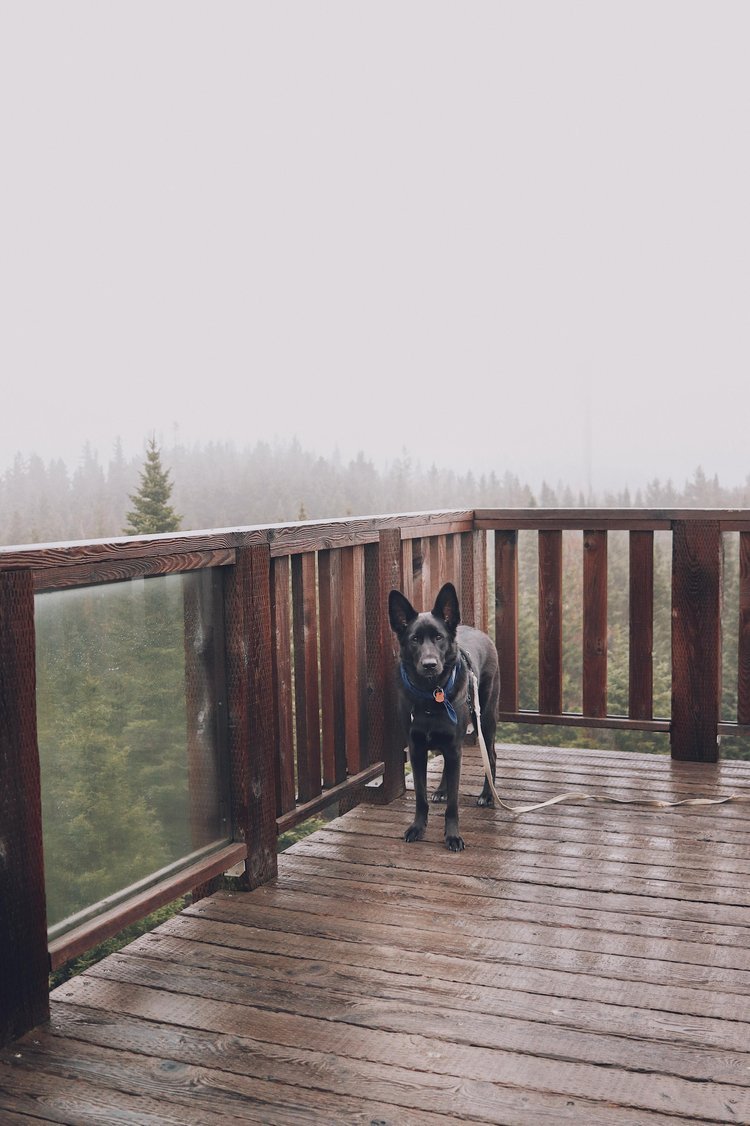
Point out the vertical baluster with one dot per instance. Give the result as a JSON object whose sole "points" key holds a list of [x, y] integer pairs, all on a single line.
{"points": [[641, 691], [331, 667], [466, 591], [550, 622], [595, 623], [281, 624], [506, 616], [355, 657], [407, 569], [305, 629], [481, 590]]}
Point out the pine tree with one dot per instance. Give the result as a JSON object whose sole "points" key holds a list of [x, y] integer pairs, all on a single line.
{"points": [[152, 513]]}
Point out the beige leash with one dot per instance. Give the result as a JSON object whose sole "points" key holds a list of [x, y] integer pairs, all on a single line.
{"points": [[654, 803]]}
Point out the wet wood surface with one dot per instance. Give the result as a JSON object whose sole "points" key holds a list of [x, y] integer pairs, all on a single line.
{"points": [[581, 963]]}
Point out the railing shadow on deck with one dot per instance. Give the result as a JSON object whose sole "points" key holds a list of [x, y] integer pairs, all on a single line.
{"points": [[283, 662]]}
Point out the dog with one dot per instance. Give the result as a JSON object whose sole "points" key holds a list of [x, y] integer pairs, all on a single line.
{"points": [[434, 699]]}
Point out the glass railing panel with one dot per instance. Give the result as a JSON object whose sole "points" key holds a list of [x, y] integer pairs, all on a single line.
{"points": [[130, 711]]}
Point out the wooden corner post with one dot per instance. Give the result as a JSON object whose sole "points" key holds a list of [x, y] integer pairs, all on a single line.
{"points": [[696, 639], [252, 731], [24, 962]]}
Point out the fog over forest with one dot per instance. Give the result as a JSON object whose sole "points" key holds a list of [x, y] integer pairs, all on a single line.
{"points": [[221, 484]]}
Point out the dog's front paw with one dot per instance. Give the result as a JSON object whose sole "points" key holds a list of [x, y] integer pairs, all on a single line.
{"points": [[415, 832], [455, 844], [440, 796], [485, 799]]}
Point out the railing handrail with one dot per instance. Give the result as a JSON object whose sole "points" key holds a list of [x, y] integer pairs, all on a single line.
{"points": [[283, 538], [312, 535]]}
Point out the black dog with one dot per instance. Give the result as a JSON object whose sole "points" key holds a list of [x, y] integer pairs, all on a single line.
{"points": [[435, 702]]}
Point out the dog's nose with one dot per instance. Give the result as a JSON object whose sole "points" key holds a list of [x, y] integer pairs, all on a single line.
{"points": [[429, 664]]}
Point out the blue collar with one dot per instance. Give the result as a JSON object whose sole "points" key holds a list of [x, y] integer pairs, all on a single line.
{"points": [[423, 694]]}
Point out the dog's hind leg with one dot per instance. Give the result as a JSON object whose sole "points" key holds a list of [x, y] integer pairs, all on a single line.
{"points": [[418, 759]]}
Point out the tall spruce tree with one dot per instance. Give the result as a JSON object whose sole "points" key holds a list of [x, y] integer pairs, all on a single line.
{"points": [[152, 512]]}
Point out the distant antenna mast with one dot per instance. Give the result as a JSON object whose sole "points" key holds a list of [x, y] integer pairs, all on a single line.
{"points": [[587, 439]]}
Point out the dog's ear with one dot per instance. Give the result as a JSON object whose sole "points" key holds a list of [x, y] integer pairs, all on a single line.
{"points": [[446, 606], [400, 611]]}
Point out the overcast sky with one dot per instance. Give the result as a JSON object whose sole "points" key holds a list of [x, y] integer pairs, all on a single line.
{"points": [[498, 235]]}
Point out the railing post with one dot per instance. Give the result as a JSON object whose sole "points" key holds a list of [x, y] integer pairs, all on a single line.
{"points": [[251, 695], [24, 962], [696, 639], [389, 578]]}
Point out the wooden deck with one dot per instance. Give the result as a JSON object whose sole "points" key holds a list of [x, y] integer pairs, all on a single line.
{"points": [[586, 964]]}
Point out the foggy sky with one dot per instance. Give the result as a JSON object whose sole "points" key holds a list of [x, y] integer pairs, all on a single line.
{"points": [[497, 235]]}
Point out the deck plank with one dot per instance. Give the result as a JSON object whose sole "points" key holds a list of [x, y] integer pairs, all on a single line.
{"points": [[583, 963]]}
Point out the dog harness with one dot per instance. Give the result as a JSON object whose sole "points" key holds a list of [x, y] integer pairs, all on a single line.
{"points": [[438, 695]]}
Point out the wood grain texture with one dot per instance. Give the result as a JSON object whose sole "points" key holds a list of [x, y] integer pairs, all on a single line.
{"points": [[641, 665], [595, 640], [306, 695], [262, 767], [467, 591], [283, 539], [331, 667], [353, 644], [696, 639], [567, 967], [389, 578], [506, 616], [94, 574], [281, 625], [249, 665], [550, 621]]}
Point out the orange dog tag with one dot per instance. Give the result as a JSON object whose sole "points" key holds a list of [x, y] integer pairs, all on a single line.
{"points": [[439, 696]]}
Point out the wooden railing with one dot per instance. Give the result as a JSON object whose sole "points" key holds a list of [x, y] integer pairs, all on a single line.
{"points": [[306, 672], [694, 723]]}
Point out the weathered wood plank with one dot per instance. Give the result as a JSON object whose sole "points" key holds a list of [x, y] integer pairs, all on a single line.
{"points": [[120, 570], [565, 967]]}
